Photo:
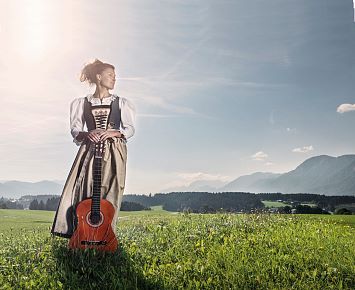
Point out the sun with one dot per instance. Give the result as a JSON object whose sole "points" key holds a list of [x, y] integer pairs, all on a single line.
{"points": [[31, 29]]}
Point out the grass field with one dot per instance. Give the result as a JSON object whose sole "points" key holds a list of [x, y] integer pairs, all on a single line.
{"points": [[269, 203], [159, 250], [309, 204], [155, 210]]}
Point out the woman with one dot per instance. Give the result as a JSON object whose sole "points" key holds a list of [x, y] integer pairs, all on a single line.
{"points": [[119, 127]]}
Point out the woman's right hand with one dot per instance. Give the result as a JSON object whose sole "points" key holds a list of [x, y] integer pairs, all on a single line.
{"points": [[94, 135]]}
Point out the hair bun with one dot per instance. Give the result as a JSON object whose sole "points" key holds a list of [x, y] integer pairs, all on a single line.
{"points": [[90, 70]]}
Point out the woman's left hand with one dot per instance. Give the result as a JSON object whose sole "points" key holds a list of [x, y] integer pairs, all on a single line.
{"points": [[110, 134]]}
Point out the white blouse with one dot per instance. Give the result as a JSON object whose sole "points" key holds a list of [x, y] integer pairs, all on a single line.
{"points": [[128, 115]]}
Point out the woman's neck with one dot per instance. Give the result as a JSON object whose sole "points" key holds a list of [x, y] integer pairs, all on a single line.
{"points": [[101, 93]]}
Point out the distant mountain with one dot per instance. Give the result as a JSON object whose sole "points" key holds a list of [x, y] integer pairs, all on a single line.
{"points": [[199, 185], [249, 183], [16, 189], [320, 175]]}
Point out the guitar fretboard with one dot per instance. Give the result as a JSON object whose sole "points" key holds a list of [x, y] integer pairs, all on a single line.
{"points": [[101, 115]]}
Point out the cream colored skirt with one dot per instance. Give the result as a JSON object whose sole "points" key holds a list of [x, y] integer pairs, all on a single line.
{"points": [[78, 185]]}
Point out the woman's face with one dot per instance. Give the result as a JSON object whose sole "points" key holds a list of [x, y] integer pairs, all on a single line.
{"points": [[107, 78]]}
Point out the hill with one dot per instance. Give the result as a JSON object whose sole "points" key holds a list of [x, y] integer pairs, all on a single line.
{"points": [[319, 175], [16, 189]]}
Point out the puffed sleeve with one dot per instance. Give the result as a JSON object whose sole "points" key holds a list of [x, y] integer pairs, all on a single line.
{"points": [[76, 118], [128, 118]]}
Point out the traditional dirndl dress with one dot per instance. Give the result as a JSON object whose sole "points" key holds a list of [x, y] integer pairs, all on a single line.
{"points": [[79, 184]]}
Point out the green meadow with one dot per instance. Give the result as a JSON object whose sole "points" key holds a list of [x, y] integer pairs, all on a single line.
{"points": [[269, 203], [162, 250]]}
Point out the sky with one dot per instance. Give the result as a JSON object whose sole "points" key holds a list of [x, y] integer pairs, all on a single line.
{"points": [[222, 88]]}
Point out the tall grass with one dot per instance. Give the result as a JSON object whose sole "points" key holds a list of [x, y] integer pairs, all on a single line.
{"points": [[218, 251]]}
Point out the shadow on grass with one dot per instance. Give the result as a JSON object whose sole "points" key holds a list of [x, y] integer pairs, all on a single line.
{"points": [[90, 269]]}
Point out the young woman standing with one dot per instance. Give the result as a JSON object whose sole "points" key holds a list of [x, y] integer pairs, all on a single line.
{"points": [[120, 127]]}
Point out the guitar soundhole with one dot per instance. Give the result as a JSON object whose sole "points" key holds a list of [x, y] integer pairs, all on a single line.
{"points": [[94, 220]]}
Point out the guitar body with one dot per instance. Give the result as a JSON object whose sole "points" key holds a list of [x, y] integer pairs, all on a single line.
{"points": [[98, 235]]}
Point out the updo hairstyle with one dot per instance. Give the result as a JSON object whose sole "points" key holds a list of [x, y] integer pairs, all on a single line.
{"points": [[90, 70]]}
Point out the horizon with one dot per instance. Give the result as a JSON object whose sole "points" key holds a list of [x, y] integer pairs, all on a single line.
{"points": [[222, 89], [63, 180], [213, 188]]}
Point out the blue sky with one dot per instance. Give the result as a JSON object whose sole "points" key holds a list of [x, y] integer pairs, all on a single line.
{"points": [[221, 88]]}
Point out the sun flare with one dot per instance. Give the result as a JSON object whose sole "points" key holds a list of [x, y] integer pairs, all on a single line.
{"points": [[32, 30]]}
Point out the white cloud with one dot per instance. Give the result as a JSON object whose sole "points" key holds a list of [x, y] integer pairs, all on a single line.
{"points": [[304, 149], [343, 108], [291, 130], [269, 163], [259, 156]]}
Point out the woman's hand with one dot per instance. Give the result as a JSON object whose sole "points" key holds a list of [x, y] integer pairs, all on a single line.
{"points": [[94, 135], [110, 134]]}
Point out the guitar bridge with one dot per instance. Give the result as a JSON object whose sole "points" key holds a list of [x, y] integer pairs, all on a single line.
{"points": [[94, 243]]}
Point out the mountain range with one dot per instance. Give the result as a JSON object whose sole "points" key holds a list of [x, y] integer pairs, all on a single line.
{"points": [[319, 175], [16, 189]]}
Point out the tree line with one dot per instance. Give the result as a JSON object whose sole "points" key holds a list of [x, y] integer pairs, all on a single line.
{"points": [[326, 202], [9, 204], [52, 205], [206, 202], [239, 201], [302, 209], [201, 201]]}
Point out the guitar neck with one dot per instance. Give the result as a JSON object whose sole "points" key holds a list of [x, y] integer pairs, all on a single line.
{"points": [[97, 175], [101, 116]]}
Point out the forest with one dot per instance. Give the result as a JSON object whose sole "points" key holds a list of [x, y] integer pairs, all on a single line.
{"points": [[206, 202]]}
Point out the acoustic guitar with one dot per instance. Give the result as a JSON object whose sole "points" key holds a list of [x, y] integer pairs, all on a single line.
{"points": [[94, 215]]}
